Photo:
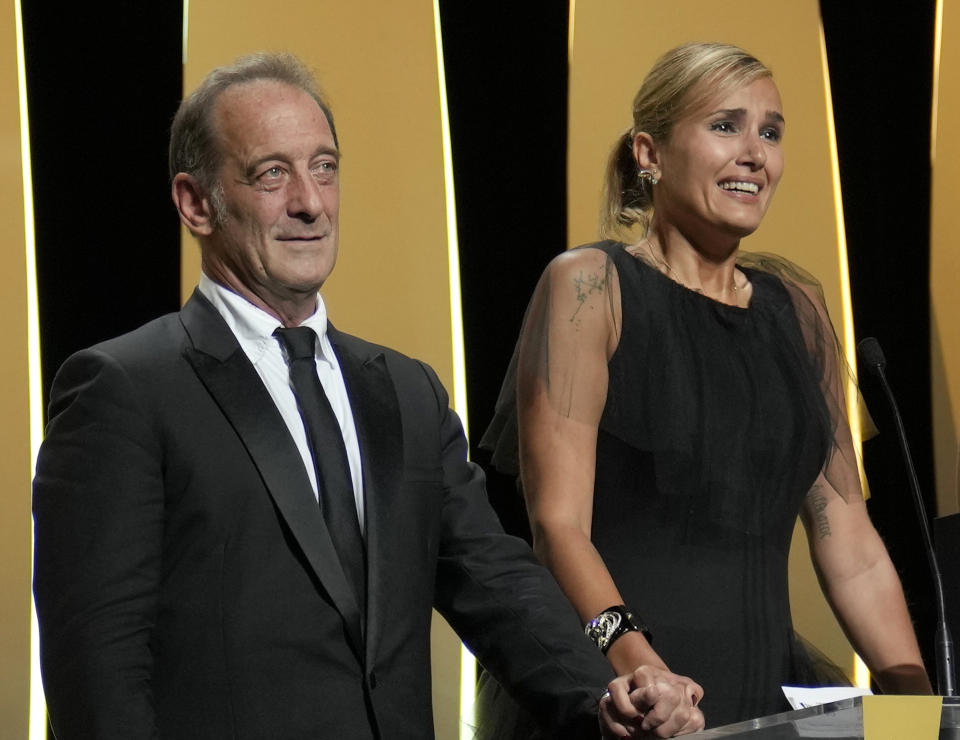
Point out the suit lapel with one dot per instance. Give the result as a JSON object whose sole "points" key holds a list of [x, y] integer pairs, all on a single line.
{"points": [[376, 415], [233, 382]]}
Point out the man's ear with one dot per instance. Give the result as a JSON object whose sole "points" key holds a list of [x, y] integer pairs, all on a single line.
{"points": [[192, 204], [645, 151]]}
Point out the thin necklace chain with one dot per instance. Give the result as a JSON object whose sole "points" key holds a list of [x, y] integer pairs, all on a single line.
{"points": [[661, 260]]}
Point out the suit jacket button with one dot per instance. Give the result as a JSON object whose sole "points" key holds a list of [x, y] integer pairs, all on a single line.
{"points": [[373, 680]]}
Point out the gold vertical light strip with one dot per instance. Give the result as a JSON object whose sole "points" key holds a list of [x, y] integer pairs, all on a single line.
{"points": [[861, 675], [38, 710], [571, 39], [944, 267], [468, 667], [934, 104], [453, 248], [186, 31], [571, 24], [849, 342]]}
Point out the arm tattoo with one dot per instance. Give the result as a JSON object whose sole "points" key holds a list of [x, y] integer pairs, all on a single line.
{"points": [[818, 501], [585, 285]]}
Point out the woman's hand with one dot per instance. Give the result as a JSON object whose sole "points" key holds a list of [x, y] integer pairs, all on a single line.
{"points": [[651, 702]]}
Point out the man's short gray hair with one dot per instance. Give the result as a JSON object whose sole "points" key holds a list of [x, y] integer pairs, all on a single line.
{"points": [[194, 148]]}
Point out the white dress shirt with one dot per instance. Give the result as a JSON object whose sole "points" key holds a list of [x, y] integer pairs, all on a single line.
{"points": [[254, 329]]}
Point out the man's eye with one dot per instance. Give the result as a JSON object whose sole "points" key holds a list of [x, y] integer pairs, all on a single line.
{"points": [[273, 172], [325, 171]]}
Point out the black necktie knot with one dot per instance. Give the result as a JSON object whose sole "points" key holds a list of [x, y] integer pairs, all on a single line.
{"points": [[299, 342]]}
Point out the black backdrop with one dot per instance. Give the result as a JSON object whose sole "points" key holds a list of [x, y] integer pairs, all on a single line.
{"points": [[104, 81]]}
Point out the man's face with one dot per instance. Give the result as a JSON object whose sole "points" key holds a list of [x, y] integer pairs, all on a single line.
{"points": [[279, 190]]}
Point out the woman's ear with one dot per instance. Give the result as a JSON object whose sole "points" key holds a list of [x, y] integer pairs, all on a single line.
{"points": [[645, 151], [192, 204]]}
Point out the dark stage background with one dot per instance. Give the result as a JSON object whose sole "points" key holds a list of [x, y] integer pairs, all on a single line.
{"points": [[100, 107]]}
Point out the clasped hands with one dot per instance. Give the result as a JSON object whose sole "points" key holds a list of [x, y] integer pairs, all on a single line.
{"points": [[650, 702]]}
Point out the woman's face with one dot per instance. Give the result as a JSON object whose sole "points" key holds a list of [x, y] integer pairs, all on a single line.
{"points": [[720, 165]]}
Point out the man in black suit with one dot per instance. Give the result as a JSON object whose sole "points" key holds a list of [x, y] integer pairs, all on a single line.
{"points": [[193, 579]]}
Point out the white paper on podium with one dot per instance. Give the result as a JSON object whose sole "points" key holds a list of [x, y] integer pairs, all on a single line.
{"points": [[801, 697]]}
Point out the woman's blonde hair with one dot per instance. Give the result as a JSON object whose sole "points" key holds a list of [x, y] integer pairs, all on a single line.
{"points": [[664, 97]]}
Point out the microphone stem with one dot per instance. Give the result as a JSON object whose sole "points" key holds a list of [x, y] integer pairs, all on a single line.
{"points": [[945, 657]]}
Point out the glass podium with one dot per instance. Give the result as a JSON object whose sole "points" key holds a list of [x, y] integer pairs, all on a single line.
{"points": [[839, 720]]}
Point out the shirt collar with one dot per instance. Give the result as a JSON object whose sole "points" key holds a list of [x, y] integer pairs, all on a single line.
{"points": [[253, 326]]}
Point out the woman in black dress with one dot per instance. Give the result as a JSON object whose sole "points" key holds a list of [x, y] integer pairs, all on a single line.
{"points": [[681, 402]]}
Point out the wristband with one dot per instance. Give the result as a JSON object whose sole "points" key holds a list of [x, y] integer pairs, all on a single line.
{"points": [[611, 624]]}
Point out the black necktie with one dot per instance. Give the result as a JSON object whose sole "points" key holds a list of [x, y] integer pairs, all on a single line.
{"points": [[329, 456]]}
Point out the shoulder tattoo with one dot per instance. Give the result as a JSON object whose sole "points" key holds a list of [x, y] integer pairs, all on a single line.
{"points": [[585, 286]]}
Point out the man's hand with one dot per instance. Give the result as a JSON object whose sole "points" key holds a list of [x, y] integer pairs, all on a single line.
{"points": [[650, 702]]}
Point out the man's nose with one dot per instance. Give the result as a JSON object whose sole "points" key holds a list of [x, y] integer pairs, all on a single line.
{"points": [[305, 200]]}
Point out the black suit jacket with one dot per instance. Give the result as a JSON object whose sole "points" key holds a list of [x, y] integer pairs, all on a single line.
{"points": [[187, 587]]}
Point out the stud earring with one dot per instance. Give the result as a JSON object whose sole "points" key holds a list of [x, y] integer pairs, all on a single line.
{"points": [[649, 175]]}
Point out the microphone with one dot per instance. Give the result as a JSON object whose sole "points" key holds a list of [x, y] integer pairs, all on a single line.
{"points": [[872, 356]]}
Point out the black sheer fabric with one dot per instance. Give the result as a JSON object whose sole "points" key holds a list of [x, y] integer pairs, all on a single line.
{"points": [[715, 423]]}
